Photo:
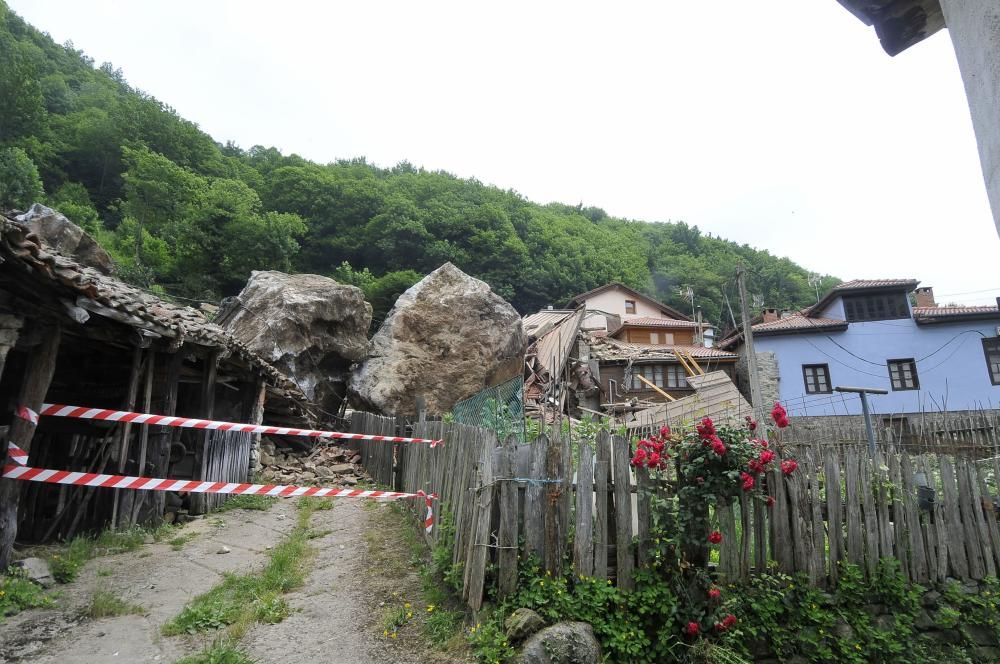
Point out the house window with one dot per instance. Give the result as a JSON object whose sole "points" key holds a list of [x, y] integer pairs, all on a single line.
{"points": [[668, 338], [880, 306], [651, 372], [903, 374], [630, 306], [817, 378], [676, 377], [654, 337], [992, 348]]}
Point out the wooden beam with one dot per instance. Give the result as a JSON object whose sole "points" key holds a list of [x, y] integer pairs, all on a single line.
{"points": [[650, 384], [135, 373], [690, 358], [207, 408], [37, 377], [687, 368]]}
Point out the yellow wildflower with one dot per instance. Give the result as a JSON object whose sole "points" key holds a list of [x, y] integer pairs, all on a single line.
{"points": [[430, 608], [406, 606]]}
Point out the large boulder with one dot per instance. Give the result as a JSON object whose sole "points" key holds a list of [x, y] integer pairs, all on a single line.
{"points": [[563, 643], [448, 337], [309, 327], [66, 238]]}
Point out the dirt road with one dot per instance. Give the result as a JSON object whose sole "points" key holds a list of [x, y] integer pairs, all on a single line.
{"points": [[332, 616]]}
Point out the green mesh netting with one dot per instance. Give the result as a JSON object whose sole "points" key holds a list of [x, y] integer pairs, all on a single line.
{"points": [[500, 408]]}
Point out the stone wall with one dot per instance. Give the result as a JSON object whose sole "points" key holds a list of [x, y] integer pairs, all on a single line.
{"points": [[930, 624], [767, 367]]}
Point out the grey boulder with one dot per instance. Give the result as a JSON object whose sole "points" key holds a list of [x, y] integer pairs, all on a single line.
{"points": [[562, 643], [65, 238], [448, 337], [308, 326]]}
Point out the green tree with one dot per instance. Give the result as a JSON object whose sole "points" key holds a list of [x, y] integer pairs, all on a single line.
{"points": [[20, 185]]}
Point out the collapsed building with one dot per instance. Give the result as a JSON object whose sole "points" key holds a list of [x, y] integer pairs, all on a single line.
{"points": [[72, 333]]}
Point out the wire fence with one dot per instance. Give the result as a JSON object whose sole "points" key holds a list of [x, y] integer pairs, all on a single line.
{"points": [[499, 408]]}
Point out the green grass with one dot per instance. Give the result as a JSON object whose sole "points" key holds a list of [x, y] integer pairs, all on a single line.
{"points": [[66, 561], [241, 600], [177, 543], [105, 604], [18, 593], [248, 502], [218, 653]]}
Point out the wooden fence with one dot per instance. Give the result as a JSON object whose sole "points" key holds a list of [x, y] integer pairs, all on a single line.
{"points": [[935, 513]]}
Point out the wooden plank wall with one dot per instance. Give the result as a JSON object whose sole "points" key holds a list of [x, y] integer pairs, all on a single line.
{"points": [[500, 503]]}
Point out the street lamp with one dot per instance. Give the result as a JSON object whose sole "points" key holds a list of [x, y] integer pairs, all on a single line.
{"points": [[864, 392]]}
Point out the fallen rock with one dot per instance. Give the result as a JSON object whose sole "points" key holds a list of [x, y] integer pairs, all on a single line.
{"points": [[448, 337], [308, 326], [65, 237], [342, 468], [562, 643], [522, 623], [224, 549], [37, 570]]}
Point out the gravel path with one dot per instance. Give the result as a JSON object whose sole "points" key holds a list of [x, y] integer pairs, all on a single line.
{"points": [[155, 577], [329, 612]]}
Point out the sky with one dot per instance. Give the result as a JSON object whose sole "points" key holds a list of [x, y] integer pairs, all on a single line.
{"points": [[780, 124]]}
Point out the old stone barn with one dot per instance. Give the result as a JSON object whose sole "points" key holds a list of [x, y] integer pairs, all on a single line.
{"points": [[71, 333]]}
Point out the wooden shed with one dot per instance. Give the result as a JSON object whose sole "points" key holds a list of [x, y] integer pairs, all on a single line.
{"points": [[73, 334]]}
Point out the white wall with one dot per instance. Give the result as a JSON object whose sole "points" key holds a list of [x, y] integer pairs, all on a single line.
{"points": [[975, 34], [613, 302]]}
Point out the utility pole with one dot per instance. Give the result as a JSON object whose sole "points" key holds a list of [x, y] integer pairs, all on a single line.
{"points": [[864, 392], [755, 395]]}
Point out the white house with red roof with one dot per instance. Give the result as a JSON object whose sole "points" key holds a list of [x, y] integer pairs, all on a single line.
{"points": [[868, 333]]}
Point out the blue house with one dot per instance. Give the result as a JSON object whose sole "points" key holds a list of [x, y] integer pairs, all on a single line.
{"points": [[886, 334]]}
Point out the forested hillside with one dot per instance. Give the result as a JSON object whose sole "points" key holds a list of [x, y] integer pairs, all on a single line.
{"points": [[190, 217]]}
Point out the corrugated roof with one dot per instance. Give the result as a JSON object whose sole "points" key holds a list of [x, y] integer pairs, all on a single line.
{"points": [[538, 324], [649, 321], [552, 350]]}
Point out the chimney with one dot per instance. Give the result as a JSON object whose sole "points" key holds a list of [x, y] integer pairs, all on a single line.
{"points": [[924, 297], [770, 315]]}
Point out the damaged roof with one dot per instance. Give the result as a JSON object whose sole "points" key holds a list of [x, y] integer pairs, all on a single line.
{"points": [[86, 290], [608, 349], [948, 314]]}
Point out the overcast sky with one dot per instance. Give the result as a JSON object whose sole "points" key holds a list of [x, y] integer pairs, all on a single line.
{"points": [[782, 124]]}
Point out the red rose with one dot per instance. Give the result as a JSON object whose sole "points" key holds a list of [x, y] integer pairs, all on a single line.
{"points": [[640, 457], [665, 432], [715, 537], [714, 593], [751, 423], [718, 447], [755, 466], [748, 481], [654, 459], [788, 466], [691, 629], [778, 412], [707, 428], [770, 501], [657, 447], [729, 620], [766, 457]]}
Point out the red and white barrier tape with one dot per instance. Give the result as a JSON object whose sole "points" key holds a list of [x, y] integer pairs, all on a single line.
{"points": [[26, 413], [19, 470], [57, 410], [16, 454], [429, 501], [27, 473]]}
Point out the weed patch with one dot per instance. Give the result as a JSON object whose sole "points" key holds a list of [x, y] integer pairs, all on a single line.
{"points": [[18, 593], [105, 604], [244, 599], [177, 543], [66, 561], [248, 502], [220, 653]]}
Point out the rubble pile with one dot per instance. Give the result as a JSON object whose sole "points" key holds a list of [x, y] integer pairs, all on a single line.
{"points": [[326, 464]]}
